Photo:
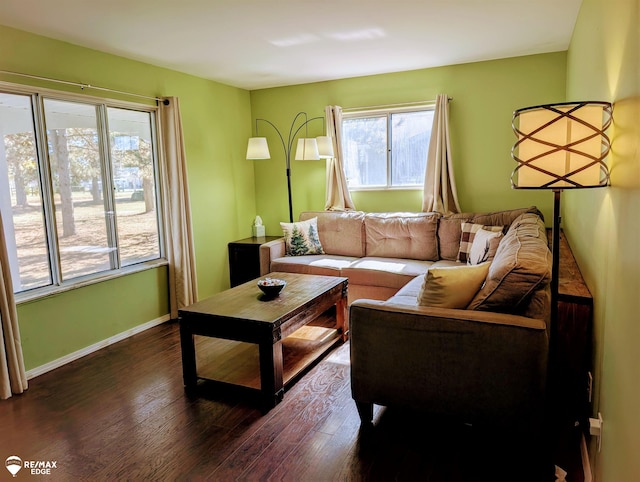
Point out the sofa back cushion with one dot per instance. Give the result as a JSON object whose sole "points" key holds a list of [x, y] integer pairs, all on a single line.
{"points": [[521, 267], [341, 232], [450, 227], [402, 235], [449, 233], [539, 305], [504, 218]]}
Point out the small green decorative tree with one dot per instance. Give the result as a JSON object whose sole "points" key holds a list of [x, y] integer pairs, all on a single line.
{"points": [[315, 240], [298, 246]]}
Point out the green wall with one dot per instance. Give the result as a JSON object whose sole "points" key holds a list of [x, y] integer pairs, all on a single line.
{"points": [[226, 194], [61, 324], [216, 121], [603, 226], [485, 94]]}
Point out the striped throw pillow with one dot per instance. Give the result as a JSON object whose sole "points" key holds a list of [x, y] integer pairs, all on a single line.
{"points": [[469, 231]]}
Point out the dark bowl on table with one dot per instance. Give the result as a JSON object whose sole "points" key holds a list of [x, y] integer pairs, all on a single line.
{"points": [[271, 287]]}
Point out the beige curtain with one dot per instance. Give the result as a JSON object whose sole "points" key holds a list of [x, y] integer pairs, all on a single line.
{"points": [[183, 288], [13, 378], [338, 196], [440, 193]]}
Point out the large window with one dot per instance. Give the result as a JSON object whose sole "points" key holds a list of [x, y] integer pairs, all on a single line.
{"points": [[384, 149], [78, 188]]}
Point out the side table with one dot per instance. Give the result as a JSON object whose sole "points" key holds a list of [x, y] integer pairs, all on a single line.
{"points": [[571, 363], [574, 333], [244, 259]]}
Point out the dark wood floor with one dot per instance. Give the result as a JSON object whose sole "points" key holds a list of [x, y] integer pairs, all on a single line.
{"points": [[121, 413]]}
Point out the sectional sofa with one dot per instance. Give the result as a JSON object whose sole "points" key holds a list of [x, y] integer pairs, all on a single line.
{"points": [[484, 362]]}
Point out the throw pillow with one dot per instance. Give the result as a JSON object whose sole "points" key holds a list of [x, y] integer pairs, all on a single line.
{"points": [[302, 238], [484, 246], [469, 231], [452, 286]]}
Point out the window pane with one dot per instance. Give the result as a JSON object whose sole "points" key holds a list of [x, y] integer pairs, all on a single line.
{"points": [[21, 195], [134, 185], [77, 179], [365, 153], [410, 132]]}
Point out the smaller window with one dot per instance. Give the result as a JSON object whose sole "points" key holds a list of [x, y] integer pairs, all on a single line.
{"points": [[386, 149]]}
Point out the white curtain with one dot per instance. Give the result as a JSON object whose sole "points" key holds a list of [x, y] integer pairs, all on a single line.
{"points": [[440, 193], [338, 196], [13, 378], [183, 288]]}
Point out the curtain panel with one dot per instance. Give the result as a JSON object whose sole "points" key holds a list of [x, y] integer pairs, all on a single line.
{"points": [[183, 287], [13, 378], [440, 193], [338, 196]]}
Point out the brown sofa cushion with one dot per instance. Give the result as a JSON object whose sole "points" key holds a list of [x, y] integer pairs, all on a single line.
{"points": [[450, 227], [402, 235], [522, 266], [341, 232], [385, 272], [324, 264], [504, 218], [449, 233]]}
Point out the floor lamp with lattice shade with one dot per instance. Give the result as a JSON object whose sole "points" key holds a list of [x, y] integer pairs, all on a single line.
{"points": [[561, 146]]}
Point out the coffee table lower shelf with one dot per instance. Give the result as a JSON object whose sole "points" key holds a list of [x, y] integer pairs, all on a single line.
{"points": [[224, 362]]}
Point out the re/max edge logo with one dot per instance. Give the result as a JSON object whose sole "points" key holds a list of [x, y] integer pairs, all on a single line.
{"points": [[36, 467]]}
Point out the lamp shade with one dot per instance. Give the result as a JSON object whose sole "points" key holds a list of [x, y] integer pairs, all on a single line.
{"points": [[561, 146], [307, 150], [325, 147], [257, 148]]}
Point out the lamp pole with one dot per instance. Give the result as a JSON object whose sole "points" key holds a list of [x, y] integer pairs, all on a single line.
{"points": [[555, 253], [288, 146]]}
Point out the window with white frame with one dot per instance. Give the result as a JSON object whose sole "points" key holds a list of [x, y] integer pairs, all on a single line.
{"points": [[386, 148], [78, 187]]}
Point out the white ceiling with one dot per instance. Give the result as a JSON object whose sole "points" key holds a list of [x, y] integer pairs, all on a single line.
{"points": [[266, 43]]}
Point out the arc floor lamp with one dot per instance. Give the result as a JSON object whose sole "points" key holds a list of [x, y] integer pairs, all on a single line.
{"points": [[561, 146], [308, 149]]}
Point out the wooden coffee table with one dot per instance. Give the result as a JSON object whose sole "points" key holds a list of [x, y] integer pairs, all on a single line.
{"points": [[244, 314]]}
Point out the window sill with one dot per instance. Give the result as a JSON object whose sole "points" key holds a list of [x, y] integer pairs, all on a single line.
{"points": [[386, 188], [44, 292]]}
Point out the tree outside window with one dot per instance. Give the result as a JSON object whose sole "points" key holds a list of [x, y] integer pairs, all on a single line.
{"points": [[84, 202]]}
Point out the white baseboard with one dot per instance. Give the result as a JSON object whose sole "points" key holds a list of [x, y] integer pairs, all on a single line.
{"points": [[586, 464], [52, 365]]}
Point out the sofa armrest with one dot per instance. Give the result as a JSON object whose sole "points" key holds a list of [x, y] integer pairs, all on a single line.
{"points": [[268, 251], [479, 367]]}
